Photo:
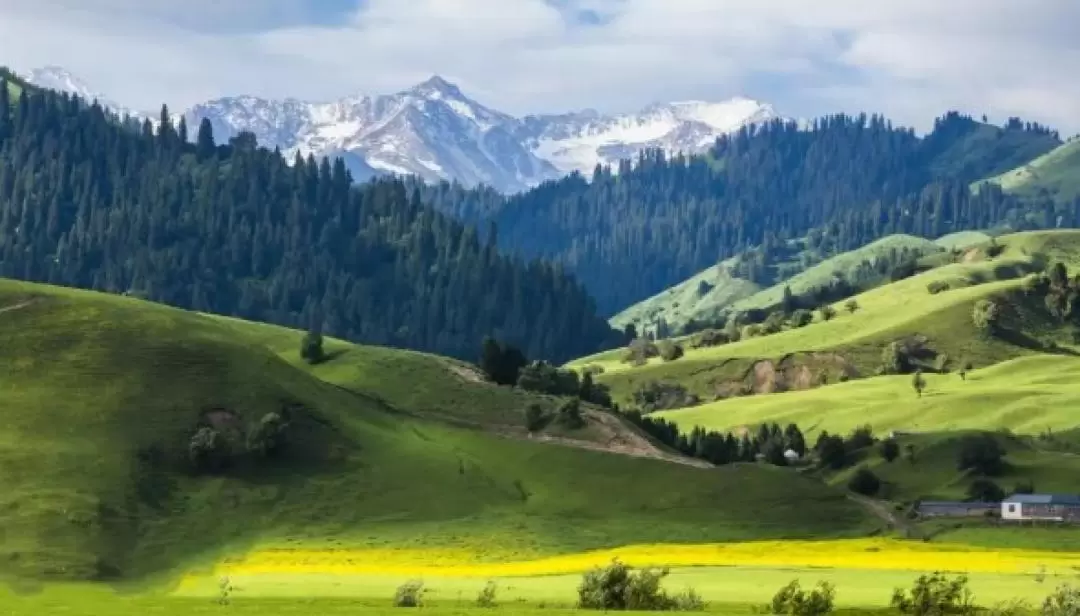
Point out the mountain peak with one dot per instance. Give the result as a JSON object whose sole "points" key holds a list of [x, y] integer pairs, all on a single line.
{"points": [[436, 86]]}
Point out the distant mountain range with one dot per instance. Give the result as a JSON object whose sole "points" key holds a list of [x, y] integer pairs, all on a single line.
{"points": [[434, 131]]}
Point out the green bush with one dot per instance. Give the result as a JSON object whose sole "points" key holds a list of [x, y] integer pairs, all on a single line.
{"points": [[486, 598], [827, 313], [535, 418], [268, 438], [937, 286], [1064, 602], [935, 595], [311, 348], [208, 450], [619, 587], [793, 600], [864, 482], [569, 415], [801, 318], [986, 316], [890, 449], [851, 305], [410, 594], [669, 351]]}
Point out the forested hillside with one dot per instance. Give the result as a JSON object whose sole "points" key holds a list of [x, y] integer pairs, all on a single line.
{"points": [[662, 218], [90, 202]]}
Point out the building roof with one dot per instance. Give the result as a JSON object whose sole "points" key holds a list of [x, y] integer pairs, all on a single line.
{"points": [[1044, 499], [957, 504]]}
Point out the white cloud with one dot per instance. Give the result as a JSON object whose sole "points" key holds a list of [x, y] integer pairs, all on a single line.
{"points": [[911, 59]]}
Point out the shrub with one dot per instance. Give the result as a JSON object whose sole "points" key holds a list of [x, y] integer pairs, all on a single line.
{"points": [[801, 318], [935, 595], [657, 396], [851, 305], [542, 377], [864, 482], [937, 286], [894, 359], [593, 369], [502, 363], [827, 313], [1064, 602], [569, 415], [773, 323], [410, 594], [640, 351], [670, 351], [981, 454], [268, 439], [832, 451], [618, 587], [861, 437], [890, 449], [793, 600], [985, 490], [311, 348], [918, 383], [208, 450], [710, 338], [486, 598], [535, 418], [986, 316]]}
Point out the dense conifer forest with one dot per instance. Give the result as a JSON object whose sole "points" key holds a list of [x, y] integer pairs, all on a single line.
{"points": [[88, 200], [630, 233]]}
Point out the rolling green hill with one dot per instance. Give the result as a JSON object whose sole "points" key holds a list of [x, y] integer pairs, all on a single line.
{"points": [[852, 342], [102, 395], [1057, 172]]}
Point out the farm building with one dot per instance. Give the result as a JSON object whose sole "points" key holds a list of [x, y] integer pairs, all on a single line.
{"points": [[956, 509], [1051, 507]]}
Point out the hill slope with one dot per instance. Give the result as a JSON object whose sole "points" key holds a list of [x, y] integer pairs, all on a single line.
{"points": [[103, 395], [1057, 172], [851, 343]]}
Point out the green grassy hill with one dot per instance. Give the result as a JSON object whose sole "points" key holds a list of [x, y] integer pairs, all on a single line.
{"points": [[1056, 172], [102, 395], [717, 290], [851, 343]]}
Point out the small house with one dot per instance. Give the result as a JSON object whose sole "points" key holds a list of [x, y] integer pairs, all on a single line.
{"points": [[1044, 507], [791, 456]]}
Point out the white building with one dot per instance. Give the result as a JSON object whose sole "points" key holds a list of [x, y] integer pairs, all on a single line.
{"points": [[1045, 507]]}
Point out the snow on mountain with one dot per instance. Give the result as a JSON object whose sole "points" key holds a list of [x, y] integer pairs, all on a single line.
{"points": [[434, 131], [57, 78]]}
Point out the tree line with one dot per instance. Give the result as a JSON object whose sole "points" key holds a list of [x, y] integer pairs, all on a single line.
{"points": [[94, 201], [652, 222]]}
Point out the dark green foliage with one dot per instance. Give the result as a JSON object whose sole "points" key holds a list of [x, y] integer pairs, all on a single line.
{"points": [[661, 218], [935, 595], [660, 396], [851, 305], [984, 490], [536, 419], [618, 587], [1024, 487], [827, 312], [640, 351], [502, 363], [542, 377], [890, 449], [594, 393], [569, 415], [918, 383], [981, 454], [669, 351], [115, 207], [311, 348], [269, 437], [1065, 601], [720, 448], [710, 338], [410, 594], [208, 450], [831, 450], [487, 596], [937, 286], [774, 453], [793, 600], [801, 318], [895, 359], [861, 438], [864, 482], [986, 315]]}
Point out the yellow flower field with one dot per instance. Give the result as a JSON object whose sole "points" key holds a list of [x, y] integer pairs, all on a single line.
{"points": [[872, 554]]}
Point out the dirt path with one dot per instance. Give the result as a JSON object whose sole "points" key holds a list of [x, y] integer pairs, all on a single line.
{"points": [[884, 512], [20, 305]]}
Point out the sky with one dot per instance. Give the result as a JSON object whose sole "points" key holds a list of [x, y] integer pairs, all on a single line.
{"points": [[909, 59]]}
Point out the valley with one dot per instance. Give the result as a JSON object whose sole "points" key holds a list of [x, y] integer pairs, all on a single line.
{"points": [[237, 380]]}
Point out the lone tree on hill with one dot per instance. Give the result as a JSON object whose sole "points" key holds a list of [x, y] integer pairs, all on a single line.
{"points": [[852, 305], [311, 347], [918, 383], [986, 316], [890, 449]]}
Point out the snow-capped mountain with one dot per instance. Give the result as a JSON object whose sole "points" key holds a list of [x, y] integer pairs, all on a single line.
{"points": [[435, 131], [57, 78]]}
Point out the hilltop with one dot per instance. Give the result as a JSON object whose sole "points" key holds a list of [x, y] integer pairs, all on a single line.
{"points": [[1056, 173], [103, 395], [929, 312]]}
